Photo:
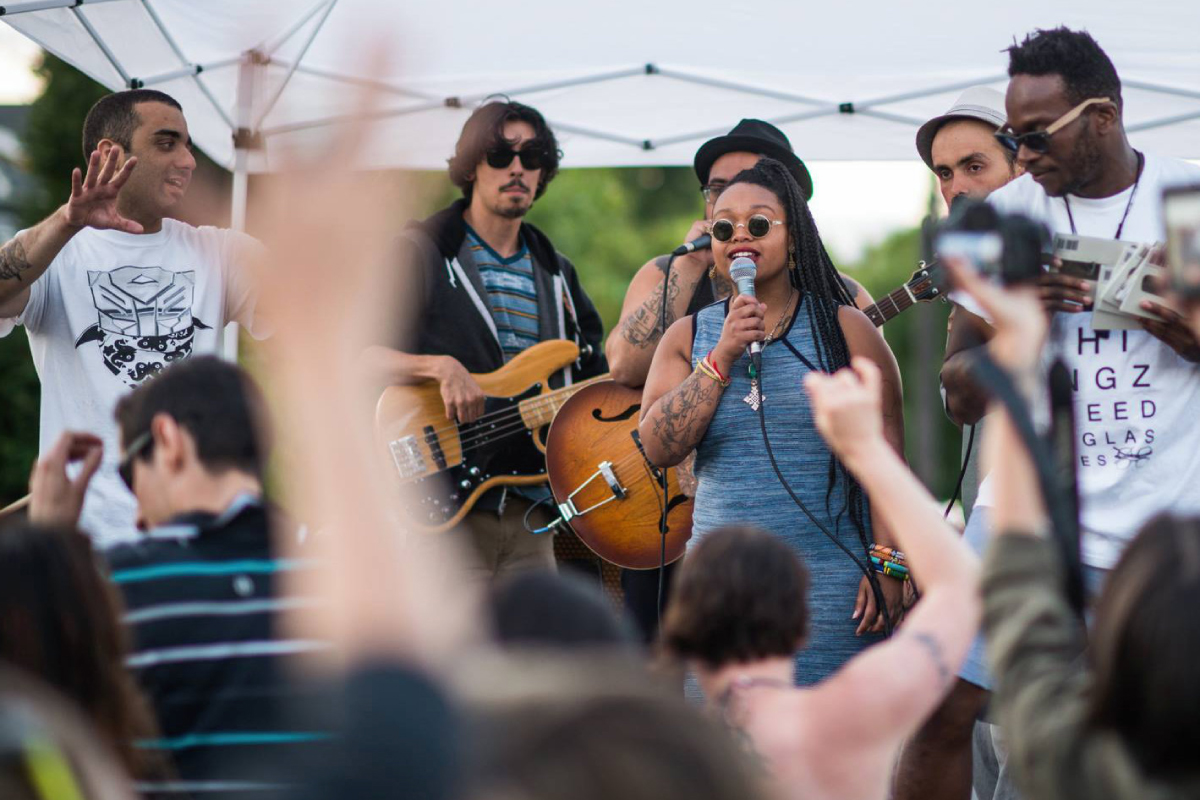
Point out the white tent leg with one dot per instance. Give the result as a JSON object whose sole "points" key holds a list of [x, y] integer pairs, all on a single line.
{"points": [[241, 182]]}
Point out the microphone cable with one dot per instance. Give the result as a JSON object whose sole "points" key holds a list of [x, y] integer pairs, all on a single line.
{"points": [[662, 471], [962, 473], [867, 572]]}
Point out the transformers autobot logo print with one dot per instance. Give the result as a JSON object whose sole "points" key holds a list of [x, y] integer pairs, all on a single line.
{"points": [[145, 318]]}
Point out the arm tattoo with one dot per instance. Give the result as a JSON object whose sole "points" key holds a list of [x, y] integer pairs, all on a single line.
{"points": [[13, 261], [934, 648], [679, 425], [642, 328]]}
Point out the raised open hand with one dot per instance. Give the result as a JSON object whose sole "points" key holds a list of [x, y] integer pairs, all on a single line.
{"points": [[848, 406], [93, 201]]}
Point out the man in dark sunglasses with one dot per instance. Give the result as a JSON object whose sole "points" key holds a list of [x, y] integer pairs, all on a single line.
{"points": [[487, 286], [1136, 387]]}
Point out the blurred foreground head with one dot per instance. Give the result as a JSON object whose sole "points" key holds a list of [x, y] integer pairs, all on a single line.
{"points": [[1146, 647], [594, 728], [48, 751], [543, 609], [741, 596], [60, 620]]}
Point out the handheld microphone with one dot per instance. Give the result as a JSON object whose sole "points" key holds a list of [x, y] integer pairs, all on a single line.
{"points": [[742, 272], [701, 242]]}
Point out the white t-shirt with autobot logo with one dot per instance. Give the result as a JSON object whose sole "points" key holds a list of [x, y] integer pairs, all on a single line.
{"points": [[1136, 401], [113, 309]]}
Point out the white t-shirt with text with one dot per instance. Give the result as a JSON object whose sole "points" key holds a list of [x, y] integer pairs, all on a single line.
{"points": [[112, 310], [1136, 400]]}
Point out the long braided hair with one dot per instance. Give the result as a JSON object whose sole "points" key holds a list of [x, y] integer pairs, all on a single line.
{"points": [[819, 284]]}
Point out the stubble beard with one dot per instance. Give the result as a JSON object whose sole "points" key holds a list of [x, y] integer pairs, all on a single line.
{"points": [[1085, 164], [509, 210]]}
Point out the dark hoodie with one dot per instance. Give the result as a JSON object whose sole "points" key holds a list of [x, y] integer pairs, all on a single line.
{"points": [[454, 315]]}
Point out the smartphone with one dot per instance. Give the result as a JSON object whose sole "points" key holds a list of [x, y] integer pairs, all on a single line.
{"points": [[1181, 212]]}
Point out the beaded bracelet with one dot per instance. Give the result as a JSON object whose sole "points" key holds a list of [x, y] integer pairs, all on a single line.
{"points": [[888, 553], [890, 569]]}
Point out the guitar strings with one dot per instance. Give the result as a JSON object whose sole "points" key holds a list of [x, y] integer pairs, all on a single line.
{"points": [[535, 404]]}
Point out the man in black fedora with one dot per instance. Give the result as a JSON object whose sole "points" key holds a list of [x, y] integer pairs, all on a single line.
{"points": [[691, 285]]}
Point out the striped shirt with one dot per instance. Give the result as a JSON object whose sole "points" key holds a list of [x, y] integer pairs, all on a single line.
{"points": [[511, 293], [202, 608]]}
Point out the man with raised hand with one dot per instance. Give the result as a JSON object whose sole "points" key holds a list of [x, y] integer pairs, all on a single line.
{"points": [[111, 289]]}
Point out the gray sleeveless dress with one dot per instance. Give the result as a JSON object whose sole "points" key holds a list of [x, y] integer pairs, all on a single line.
{"points": [[738, 486]]}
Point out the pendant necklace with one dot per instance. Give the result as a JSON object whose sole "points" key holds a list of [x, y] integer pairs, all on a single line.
{"points": [[755, 398]]}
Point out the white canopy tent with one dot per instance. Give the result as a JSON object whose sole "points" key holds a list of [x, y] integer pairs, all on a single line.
{"points": [[623, 83]]}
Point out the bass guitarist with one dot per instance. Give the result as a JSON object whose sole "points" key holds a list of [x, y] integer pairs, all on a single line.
{"points": [[485, 287]]}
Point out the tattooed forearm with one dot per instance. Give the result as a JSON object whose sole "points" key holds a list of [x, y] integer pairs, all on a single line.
{"points": [[13, 261], [644, 326], [684, 415], [934, 648]]}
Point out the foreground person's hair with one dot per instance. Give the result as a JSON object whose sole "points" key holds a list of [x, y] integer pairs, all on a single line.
{"points": [[1146, 646], [741, 596]]}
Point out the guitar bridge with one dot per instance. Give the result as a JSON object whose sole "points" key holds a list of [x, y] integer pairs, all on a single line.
{"points": [[406, 455], [604, 470]]}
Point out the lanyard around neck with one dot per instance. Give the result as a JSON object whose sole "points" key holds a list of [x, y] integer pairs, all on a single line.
{"points": [[1141, 162]]}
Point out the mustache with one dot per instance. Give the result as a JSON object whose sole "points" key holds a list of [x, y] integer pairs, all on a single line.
{"points": [[515, 183]]}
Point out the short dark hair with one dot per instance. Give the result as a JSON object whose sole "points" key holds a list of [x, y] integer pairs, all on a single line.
{"points": [[741, 596], [1084, 67], [214, 401], [1144, 652], [484, 131], [114, 117]]}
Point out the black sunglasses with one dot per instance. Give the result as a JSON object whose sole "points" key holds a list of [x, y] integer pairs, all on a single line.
{"points": [[531, 157], [758, 226], [1039, 141], [125, 466]]}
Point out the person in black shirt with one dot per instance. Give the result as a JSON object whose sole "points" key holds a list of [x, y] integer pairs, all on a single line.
{"points": [[201, 590]]}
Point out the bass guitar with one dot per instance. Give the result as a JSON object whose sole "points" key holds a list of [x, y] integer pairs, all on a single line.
{"points": [[606, 488], [444, 466]]}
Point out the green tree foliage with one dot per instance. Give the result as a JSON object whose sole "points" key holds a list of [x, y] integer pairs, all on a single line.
{"points": [[52, 145], [53, 138], [918, 338]]}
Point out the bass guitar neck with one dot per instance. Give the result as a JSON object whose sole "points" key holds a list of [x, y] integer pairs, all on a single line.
{"points": [[442, 467]]}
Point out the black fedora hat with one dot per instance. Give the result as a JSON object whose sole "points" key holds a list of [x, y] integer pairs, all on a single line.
{"points": [[754, 136]]}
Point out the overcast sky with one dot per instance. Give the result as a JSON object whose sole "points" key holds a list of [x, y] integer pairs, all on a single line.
{"points": [[855, 203]]}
